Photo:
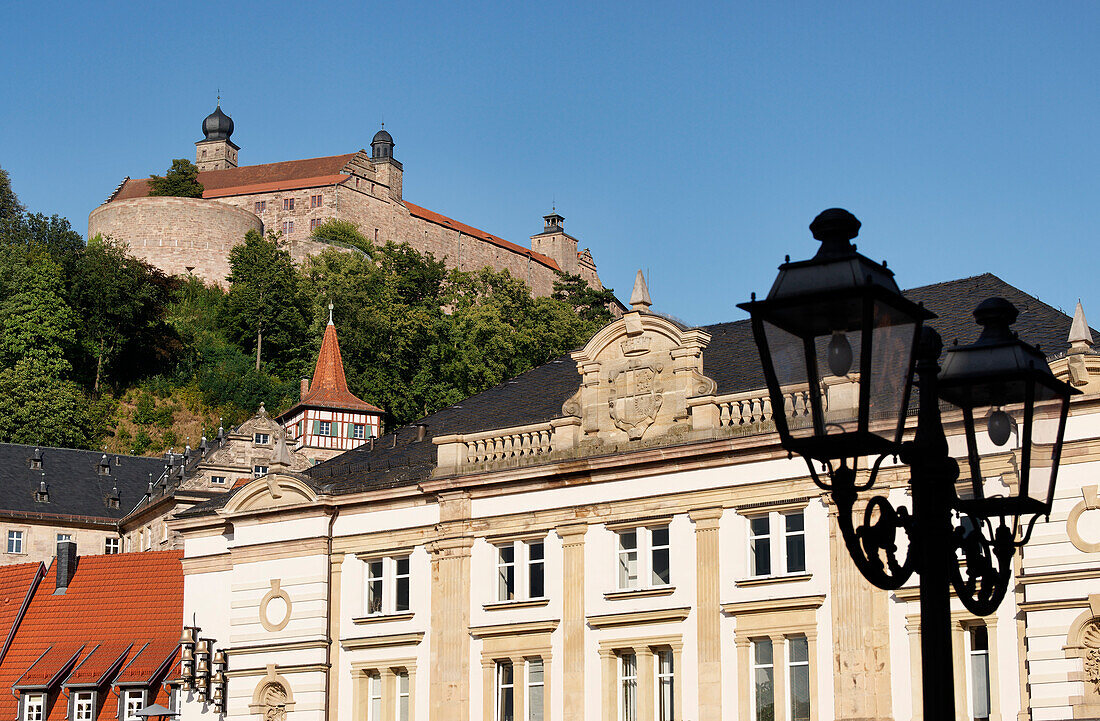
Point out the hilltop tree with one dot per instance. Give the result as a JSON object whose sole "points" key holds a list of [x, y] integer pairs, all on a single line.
{"points": [[181, 181], [592, 305], [10, 207], [120, 299], [342, 232], [264, 303]]}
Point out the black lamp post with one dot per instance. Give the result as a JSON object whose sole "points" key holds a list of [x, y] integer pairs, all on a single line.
{"points": [[839, 346]]}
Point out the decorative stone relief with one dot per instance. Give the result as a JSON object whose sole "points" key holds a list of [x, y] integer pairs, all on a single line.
{"points": [[1088, 506], [272, 698], [1083, 642], [637, 375], [278, 598]]}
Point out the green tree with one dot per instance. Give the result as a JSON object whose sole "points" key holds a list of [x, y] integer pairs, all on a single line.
{"points": [[120, 300], [594, 306], [51, 234], [10, 207], [344, 233], [265, 304], [181, 181], [35, 320], [39, 407]]}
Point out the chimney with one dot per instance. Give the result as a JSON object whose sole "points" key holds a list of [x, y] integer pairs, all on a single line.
{"points": [[305, 388], [66, 565], [421, 431]]}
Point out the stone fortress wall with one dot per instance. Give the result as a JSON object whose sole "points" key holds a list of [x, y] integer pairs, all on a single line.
{"points": [[181, 236]]}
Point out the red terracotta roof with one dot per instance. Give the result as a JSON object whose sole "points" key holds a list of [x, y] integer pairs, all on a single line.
{"points": [[17, 585], [329, 388], [111, 602], [277, 185], [148, 662], [432, 217], [98, 663]]}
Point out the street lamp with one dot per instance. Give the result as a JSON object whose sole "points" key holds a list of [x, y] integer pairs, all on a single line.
{"points": [[839, 345]]}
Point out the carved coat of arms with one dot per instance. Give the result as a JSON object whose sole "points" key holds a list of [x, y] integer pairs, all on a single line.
{"points": [[635, 398]]}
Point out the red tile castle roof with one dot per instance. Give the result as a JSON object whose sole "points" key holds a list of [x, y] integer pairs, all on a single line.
{"points": [[312, 173], [17, 586], [118, 621]]}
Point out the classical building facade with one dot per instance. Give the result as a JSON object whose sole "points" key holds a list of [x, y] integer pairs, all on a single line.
{"points": [[618, 535], [193, 236]]}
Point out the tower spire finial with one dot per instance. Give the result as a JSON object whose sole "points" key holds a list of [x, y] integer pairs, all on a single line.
{"points": [[639, 299], [219, 97], [330, 312]]}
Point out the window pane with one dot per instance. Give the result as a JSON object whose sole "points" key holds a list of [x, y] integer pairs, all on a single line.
{"points": [[403, 697], [762, 652], [661, 575], [506, 573], [628, 559], [374, 587], [535, 551], [800, 649], [536, 587], [628, 681], [505, 692], [401, 594], [979, 670], [659, 536], [800, 692], [760, 526], [761, 557], [796, 553], [765, 704], [795, 522], [534, 690], [664, 686]]}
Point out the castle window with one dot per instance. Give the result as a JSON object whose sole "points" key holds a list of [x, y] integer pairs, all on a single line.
{"points": [[261, 206], [15, 541], [112, 545], [315, 201], [258, 471], [288, 227], [314, 223], [262, 439], [288, 203], [217, 480]]}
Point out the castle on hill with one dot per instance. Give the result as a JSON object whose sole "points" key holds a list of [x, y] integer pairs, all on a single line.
{"points": [[193, 236]]}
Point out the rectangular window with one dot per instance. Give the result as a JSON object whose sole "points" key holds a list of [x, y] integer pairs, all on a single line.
{"points": [[374, 586], [763, 681], [505, 705], [506, 573], [401, 584], [15, 541], [288, 227], [658, 553], [643, 553], [134, 702], [798, 677], [979, 672], [288, 203], [324, 428], [112, 545], [535, 686], [261, 439], [34, 707], [402, 696], [374, 697], [315, 201], [83, 706], [664, 685], [314, 223], [760, 545], [628, 687], [536, 570], [261, 206], [217, 480], [794, 530], [258, 471], [358, 430], [628, 559]]}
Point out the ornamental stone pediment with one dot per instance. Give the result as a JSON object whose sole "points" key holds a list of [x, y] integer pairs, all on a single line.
{"points": [[637, 375], [271, 491]]}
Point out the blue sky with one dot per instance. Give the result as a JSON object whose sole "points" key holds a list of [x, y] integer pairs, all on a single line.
{"points": [[693, 140]]}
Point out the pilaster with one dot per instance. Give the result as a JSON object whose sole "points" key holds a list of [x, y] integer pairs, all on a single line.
{"points": [[450, 619], [572, 621], [708, 612]]}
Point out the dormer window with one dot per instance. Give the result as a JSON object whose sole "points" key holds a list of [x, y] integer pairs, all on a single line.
{"points": [[34, 707], [42, 495], [132, 702], [36, 460], [217, 480], [84, 706], [104, 466], [262, 439], [258, 471]]}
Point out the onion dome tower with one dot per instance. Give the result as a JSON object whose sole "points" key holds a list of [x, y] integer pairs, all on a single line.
{"points": [[216, 151], [389, 172]]}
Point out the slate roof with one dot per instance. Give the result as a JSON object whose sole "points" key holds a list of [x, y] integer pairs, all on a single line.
{"points": [[76, 487], [329, 387], [110, 603], [731, 359]]}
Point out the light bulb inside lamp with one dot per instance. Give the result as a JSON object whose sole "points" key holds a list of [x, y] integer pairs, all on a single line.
{"points": [[999, 426], [839, 354]]}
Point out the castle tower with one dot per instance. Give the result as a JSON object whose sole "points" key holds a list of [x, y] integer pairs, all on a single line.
{"points": [[216, 151], [554, 242], [329, 419], [390, 172]]}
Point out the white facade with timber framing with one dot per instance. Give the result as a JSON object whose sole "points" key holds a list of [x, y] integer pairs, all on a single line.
{"points": [[618, 535]]}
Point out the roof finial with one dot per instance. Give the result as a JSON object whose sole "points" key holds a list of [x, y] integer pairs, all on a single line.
{"points": [[639, 299], [219, 97], [1080, 337], [330, 312]]}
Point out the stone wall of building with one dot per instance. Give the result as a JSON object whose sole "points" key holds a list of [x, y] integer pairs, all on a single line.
{"points": [[181, 236]]}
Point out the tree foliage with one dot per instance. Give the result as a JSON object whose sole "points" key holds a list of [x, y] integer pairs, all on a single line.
{"points": [[181, 181], [10, 207], [342, 233], [594, 306]]}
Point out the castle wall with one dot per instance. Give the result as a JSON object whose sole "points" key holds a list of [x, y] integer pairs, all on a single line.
{"points": [[181, 236]]}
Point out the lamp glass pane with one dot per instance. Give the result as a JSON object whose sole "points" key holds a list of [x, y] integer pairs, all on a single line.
{"points": [[1046, 424], [788, 359], [891, 357]]}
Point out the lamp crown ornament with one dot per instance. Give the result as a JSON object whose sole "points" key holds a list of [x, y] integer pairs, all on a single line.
{"points": [[835, 228], [995, 315]]}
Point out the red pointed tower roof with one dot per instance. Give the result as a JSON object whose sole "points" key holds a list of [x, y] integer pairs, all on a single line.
{"points": [[329, 388]]}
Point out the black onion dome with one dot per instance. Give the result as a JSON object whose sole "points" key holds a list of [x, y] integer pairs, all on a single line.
{"points": [[381, 137], [218, 125]]}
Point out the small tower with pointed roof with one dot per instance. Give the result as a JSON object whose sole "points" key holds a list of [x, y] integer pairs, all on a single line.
{"points": [[328, 418], [389, 170], [554, 242], [216, 151]]}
